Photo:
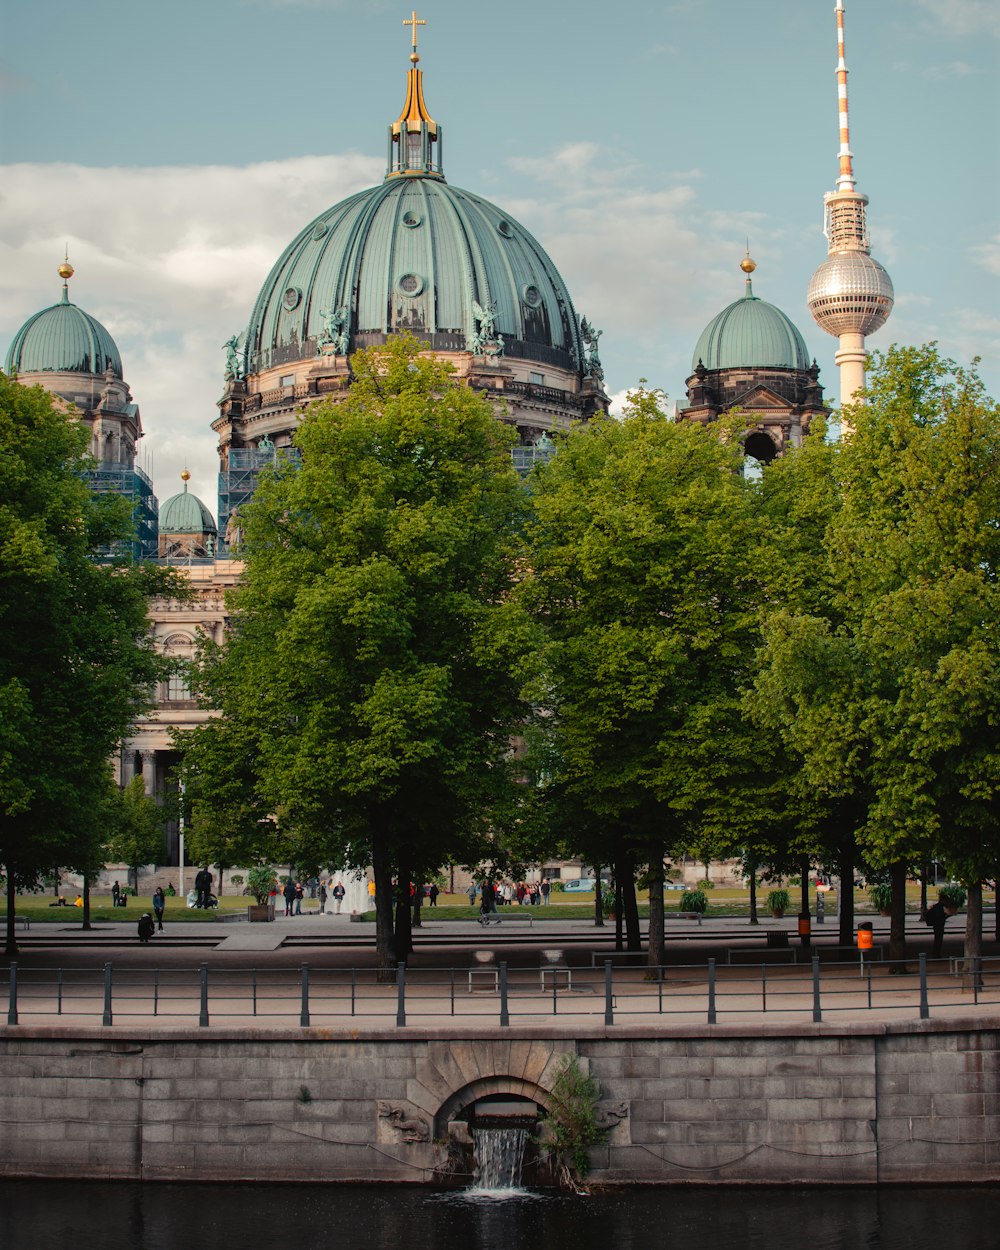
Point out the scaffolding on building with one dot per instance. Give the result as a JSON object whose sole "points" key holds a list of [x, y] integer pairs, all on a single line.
{"points": [[238, 481], [133, 484]]}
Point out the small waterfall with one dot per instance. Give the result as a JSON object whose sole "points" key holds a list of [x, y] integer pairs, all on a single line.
{"points": [[499, 1154]]}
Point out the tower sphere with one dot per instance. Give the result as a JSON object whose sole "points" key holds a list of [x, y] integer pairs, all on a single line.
{"points": [[850, 293]]}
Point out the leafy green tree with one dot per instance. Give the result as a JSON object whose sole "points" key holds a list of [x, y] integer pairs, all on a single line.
{"points": [[886, 684], [375, 661], [642, 558], [135, 833], [78, 662]]}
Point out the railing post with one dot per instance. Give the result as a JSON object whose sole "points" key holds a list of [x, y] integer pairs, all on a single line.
{"points": [[401, 996], [817, 1008], [609, 1002], [452, 991], [977, 978], [12, 1001], [203, 1012], [763, 987], [354, 986], [711, 992], [253, 985], [59, 993], [304, 1013], [504, 1005], [156, 991], [925, 1009], [868, 977], [108, 1017]]}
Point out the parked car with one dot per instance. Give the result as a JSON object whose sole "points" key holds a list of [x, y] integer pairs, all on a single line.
{"points": [[584, 885]]}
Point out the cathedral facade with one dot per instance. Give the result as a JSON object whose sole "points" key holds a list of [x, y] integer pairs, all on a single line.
{"points": [[413, 254]]}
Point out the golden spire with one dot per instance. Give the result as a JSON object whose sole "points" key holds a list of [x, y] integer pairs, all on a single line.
{"points": [[66, 270], [414, 137]]}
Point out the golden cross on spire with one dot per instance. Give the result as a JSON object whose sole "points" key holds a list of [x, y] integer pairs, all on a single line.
{"points": [[413, 22]]}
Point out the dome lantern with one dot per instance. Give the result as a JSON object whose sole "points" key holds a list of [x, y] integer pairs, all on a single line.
{"points": [[415, 140]]}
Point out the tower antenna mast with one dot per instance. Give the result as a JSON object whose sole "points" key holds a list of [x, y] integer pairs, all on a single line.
{"points": [[850, 294]]}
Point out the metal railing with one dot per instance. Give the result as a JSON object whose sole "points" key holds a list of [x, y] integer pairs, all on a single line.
{"points": [[489, 994]]}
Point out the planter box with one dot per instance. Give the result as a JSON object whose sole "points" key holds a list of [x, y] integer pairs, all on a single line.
{"points": [[260, 912]]}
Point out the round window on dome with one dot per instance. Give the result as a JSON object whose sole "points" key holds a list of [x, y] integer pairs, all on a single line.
{"points": [[531, 295], [410, 284], [505, 228], [412, 219], [291, 297], [319, 229]]}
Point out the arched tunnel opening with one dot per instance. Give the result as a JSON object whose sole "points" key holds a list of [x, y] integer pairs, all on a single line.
{"points": [[496, 1142]]}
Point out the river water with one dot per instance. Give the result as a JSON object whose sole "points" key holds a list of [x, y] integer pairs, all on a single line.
{"points": [[45, 1215]]}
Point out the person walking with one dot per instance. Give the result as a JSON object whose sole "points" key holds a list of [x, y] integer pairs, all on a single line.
{"points": [[299, 896], [338, 895], [116, 892], [432, 894], [471, 892], [159, 905], [937, 917], [322, 898]]}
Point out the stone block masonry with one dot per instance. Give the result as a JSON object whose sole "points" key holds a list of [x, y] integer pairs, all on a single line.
{"points": [[912, 1102]]}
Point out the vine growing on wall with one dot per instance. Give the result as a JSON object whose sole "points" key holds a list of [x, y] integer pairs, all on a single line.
{"points": [[572, 1122]]}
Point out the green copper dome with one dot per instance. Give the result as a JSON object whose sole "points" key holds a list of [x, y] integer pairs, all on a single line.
{"points": [[185, 514], [752, 334], [414, 254], [64, 339]]}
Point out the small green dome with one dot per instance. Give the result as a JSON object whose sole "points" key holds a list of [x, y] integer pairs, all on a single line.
{"points": [[63, 339], [185, 514], [751, 334]]}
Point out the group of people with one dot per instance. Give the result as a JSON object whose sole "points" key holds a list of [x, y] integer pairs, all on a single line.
{"points": [[524, 894]]}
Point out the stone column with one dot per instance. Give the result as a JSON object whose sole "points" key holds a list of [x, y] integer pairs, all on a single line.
{"points": [[149, 771]]}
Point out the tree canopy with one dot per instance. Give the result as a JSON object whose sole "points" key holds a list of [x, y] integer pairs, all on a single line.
{"points": [[373, 671], [78, 661]]}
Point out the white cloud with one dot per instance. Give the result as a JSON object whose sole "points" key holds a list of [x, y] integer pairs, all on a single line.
{"points": [[953, 69], [965, 17], [987, 255], [170, 260]]}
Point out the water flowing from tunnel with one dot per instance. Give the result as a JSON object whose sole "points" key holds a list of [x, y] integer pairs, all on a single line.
{"points": [[499, 1154]]}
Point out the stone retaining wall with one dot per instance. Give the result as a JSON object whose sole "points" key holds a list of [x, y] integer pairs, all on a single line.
{"points": [[910, 1104]]}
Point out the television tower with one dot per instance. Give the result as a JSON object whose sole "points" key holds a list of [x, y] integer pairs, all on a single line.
{"points": [[850, 294]]}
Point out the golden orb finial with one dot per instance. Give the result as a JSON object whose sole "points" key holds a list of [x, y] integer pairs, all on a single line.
{"points": [[414, 57], [747, 264], [185, 476]]}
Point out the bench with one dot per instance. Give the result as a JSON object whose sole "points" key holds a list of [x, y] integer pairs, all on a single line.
{"points": [[597, 958], [484, 969], [684, 915], [760, 955], [23, 921]]}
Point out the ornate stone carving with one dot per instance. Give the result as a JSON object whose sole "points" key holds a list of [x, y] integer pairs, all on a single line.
{"points": [[410, 1129]]}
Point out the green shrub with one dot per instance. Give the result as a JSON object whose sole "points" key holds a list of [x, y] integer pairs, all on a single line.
{"points": [[572, 1117], [694, 900], [880, 895], [706, 885], [953, 896], [778, 900], [259, 882], [556, 887]]}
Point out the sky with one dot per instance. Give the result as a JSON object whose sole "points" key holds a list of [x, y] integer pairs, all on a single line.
{"points": [[177, 149]]}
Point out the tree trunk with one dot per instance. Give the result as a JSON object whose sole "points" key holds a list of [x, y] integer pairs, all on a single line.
{"points": [[598, 901], [924, 874], [385, 937], [804, 882], [897, 923], [11, 911], [619, 913], [86, 903], [403, 904], [754, 919], [973, 933], [656, 956], [845, 897], [633, 938]]}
